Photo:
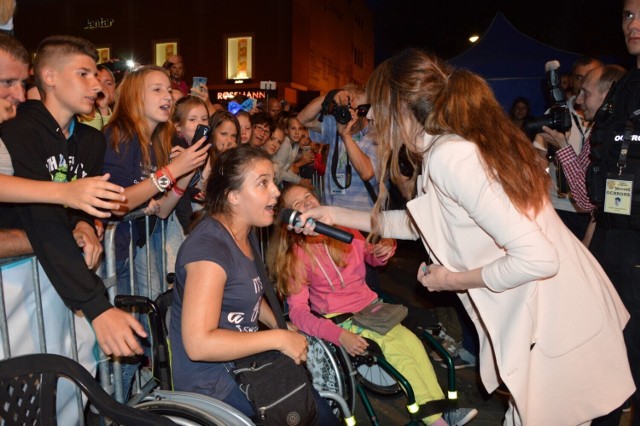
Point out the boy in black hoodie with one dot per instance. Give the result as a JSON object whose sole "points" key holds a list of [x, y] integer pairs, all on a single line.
{"points": [[46, 142]]}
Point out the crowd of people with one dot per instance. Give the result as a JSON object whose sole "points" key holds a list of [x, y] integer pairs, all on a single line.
{"points": [[545, 271]]}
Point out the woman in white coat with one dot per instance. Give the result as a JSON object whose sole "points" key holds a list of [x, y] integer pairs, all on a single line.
{"points": [[549, 321]]}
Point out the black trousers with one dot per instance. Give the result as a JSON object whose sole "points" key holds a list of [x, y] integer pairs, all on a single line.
{"points": [[618, 251]]}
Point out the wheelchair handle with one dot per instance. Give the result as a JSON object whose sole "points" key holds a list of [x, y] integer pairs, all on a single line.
{"points": [[129, 301]]}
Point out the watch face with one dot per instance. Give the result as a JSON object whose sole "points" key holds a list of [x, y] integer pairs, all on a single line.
{"points": [[164, 182]]}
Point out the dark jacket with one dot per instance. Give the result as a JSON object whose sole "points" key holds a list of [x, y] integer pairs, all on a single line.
{"points": [[40, 151]]}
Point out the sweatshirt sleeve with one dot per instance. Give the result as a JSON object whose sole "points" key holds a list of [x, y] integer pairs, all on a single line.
{"points": [[49, 229], [301, 316]]}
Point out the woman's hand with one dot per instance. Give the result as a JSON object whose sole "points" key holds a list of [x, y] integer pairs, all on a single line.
{"points": [[294, 345], [434, 277], [439, 278], [352, 343], [93, 193], [186, 160], [306, 221]]}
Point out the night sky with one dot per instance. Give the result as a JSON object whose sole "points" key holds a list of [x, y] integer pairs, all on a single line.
{"points": [[443, 26]]}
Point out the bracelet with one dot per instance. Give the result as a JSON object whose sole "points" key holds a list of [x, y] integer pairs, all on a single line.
{"points": [[179, 191], [154, 179], [169, 175]]}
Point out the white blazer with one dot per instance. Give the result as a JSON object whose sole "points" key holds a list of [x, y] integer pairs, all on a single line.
{"points": [[549, 321]]}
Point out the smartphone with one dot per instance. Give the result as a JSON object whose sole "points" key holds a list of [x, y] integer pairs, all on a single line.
{"points": [[201, 131], [199, 81]]}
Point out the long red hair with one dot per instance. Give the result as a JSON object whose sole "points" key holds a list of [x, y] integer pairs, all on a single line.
{"points": [[414, 92]]}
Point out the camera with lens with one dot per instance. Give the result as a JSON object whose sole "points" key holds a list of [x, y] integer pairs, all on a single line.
{"points": [[342, 113], [558, 117]]}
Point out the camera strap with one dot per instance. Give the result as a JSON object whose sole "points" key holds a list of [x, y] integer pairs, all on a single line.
{"points": [[334, 166], [347, 172]]}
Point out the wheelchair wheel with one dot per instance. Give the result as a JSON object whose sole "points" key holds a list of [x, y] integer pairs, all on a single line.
{"points": [[184, 414], [375, 379], [331, 371]]}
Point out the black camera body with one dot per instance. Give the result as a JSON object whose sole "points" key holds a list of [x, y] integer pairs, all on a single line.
{"points": [[558, 117], [342, 113]]}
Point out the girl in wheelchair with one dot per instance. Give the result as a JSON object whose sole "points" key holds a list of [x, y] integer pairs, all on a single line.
{"points": [[218, 296], [323, 275]]}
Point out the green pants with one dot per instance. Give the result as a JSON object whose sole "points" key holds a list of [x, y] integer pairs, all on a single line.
{"points": [[406, 353]]}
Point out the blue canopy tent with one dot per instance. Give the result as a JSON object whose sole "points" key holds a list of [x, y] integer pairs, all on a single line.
{"points": [[513, 64]]}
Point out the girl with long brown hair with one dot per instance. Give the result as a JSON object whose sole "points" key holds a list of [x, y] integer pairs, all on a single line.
{"points": [[541, 304]]}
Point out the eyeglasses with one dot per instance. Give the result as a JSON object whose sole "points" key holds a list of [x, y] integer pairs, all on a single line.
{"points": [[263, 129], [362, 110]]}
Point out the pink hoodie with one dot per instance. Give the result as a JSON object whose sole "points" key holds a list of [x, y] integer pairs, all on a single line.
{"points": [[331, 289]]}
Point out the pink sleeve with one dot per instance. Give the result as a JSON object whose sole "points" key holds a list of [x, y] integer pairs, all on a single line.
{"points": [[301, 316]]}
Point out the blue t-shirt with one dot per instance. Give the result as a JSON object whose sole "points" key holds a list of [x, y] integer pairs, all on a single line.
{"points": [[126, 169], [355, 196], [243, 291]]}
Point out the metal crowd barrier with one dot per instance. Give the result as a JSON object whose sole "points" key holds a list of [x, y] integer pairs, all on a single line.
{"points": [[112, 383], [15, 298]]}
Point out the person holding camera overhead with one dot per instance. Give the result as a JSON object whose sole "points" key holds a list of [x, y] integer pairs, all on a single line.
{"points": [[546, 141], [548, 318], [341, 119], [335, 116]]}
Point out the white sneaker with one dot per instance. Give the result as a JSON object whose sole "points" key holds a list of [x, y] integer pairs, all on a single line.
{"points": [[459, 416]]}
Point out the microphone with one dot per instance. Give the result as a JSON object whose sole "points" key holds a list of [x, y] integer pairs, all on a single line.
{"points": [[291, 217]]}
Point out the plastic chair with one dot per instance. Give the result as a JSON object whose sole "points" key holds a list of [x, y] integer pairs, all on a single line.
{"points": [[28, 392]]}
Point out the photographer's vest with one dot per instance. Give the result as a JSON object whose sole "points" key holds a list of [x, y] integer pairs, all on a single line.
{"points": [[613, 179]]}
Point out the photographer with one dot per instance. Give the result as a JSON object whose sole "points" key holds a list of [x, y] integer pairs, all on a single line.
{"points": [[549, 139], [350, 147]]}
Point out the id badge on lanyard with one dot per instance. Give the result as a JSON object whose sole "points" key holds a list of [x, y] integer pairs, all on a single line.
{"points": [[619, 186], [618, 194]]}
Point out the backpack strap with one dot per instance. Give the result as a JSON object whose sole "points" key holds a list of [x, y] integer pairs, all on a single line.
{"points": [[269, 292]]}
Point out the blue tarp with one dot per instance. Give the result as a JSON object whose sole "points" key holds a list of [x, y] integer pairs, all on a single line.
{"points": [[513, 63]]}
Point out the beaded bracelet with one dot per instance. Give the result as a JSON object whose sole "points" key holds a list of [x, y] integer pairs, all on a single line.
{"points": [[154, 179]]}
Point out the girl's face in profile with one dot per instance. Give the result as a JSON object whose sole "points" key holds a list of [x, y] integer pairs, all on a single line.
{"points": [[300, 198], [245, 128], [157, 98], [257, 197], [196, 115], [225, 136]]}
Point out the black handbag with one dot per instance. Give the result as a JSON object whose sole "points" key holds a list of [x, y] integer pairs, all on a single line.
{"points": [[279, 389]]}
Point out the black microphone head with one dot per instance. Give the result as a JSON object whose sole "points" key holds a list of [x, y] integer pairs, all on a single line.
{"points": [[289, 216]]}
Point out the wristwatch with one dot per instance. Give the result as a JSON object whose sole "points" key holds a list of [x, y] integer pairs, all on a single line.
{"points": [[164, 181]]}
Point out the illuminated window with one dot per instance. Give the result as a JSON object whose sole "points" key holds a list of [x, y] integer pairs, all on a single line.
{"points": [[239, 57]]}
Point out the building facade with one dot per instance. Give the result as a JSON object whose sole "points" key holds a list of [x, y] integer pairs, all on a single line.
{"points": [[300, 47]]}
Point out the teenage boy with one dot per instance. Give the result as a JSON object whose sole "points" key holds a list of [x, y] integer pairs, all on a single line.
{"points": [[46, 142]]}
